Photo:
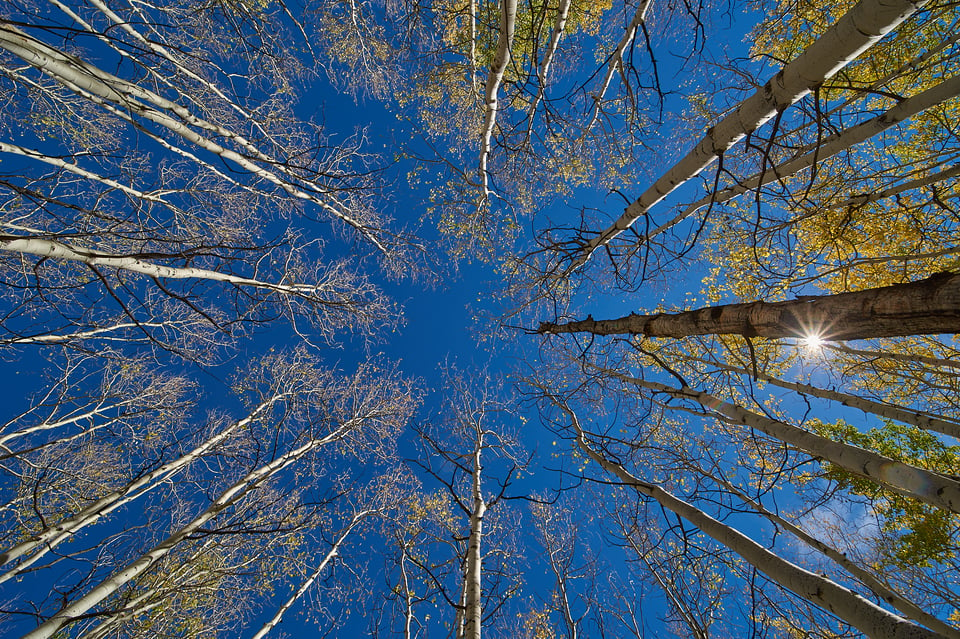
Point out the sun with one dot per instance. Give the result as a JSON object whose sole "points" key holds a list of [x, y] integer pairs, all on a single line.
{"points": [[812, 341]]}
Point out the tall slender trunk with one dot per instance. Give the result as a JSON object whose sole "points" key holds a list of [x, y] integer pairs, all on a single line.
{"points": [[474, 565], [46, 540], [543, 72], [331, 554], [853, 34], [153, 596], [43, 247], [917, 418], [926, 307], [408, 599], [907, 358], [108, 90], [860, 199], [228, 498], [616, 59], [879, 588], [508, 20], [833, 145], [86, 417], [62, 338], [918, 483], [842, 602]]}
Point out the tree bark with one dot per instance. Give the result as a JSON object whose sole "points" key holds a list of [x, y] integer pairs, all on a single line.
{"points": [[905, 358], [473, 616], [830, 147], [842, 602], [895, 599], [508, 20], [236, 492], [616, 59], [330, 556], [930, 487], [926, 307], [108, 90], [563, 12], [42, 247], [918, 418], [45, 541], [853, 34]]}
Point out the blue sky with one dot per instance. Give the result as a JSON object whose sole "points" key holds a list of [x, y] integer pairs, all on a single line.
{"points": [[449, 320]]}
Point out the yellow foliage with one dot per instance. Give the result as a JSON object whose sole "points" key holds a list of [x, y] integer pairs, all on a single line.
{"points": [[537, 625]]}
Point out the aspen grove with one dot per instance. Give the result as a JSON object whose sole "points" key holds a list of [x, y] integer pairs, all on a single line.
{"points": [[443, 318]]}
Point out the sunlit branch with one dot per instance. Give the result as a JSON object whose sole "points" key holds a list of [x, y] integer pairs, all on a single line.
{"points": [[543, 73], [614, 63]]}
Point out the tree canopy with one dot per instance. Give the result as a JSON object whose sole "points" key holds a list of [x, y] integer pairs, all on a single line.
{"points": [[454, 318]]}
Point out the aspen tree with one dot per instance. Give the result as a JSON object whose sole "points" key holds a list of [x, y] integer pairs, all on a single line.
{"points": [[356, 405], [474, 459], [929, 306], [840, 601], [853, 34]]}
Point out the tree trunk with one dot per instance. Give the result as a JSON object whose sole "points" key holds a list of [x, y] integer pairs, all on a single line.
{"points": [[42, 247], [616, 59], [45, 541], [544, 71], [918, 418], [508, 20], [231, 496], [474, 569], [895, 599], [331, 554], [847, 605], [930, 487], [112, 92], [853, 34], [833, 145], [905, 358], [926, 307]]}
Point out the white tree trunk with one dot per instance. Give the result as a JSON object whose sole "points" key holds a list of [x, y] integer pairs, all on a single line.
{"points": [[935, 362], [59, 250], [922, 60], [331, 554], [842, 602], [853, 34], [880, 589], [918, 483], [865, 198], [107, 89], [88, 415], [231, 496], [508, 19], [616, 59], [408, 600], [917, 418], [543, 73], [473, 613], [157, 592], [833, 145], [62, 338], [48, 539], [77, 170], [160, 51]]}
